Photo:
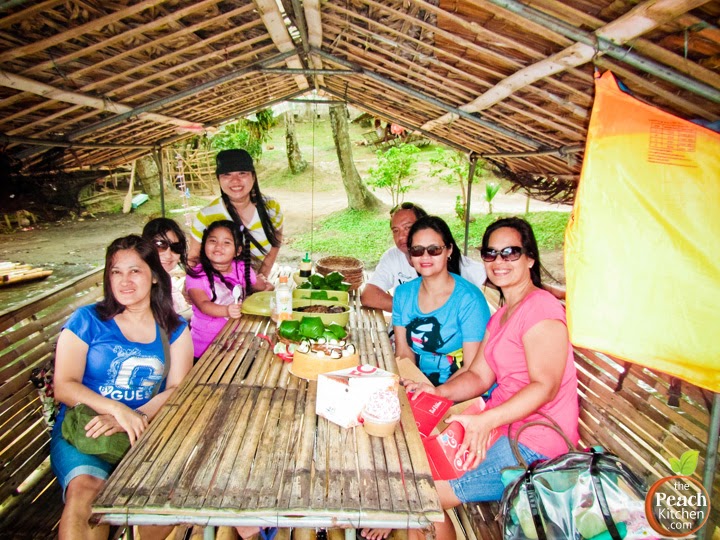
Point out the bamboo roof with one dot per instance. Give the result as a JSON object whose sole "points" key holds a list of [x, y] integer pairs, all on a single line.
{"points": [[104, 82]]}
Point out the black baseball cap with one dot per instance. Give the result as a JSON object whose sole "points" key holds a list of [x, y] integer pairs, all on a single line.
{"points": [[237, 159]]}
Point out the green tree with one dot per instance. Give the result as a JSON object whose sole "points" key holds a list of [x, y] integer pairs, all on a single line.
{"points": [[235, 136], [259, 128], [394, 169], [245, 133], [453, 167], [295, 160]]}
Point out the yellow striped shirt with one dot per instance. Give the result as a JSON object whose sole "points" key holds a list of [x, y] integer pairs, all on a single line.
{"points": [[217, 211]]}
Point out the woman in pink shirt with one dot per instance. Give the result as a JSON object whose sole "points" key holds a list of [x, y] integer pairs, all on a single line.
{"points": [[527, 352]]}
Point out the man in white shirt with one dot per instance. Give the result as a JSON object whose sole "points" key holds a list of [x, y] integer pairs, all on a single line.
{"points": [[394, 267]]}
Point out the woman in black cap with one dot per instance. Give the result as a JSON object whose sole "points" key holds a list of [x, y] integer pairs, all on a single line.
{"points": [[258, 216]]}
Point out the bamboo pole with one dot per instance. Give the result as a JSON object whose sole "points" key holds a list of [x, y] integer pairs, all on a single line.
{"points": [[127, 203], [471, 175], [161, 174], [711, 455]]}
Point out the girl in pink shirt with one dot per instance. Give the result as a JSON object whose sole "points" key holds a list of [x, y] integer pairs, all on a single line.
{"points": [[210, 285]]}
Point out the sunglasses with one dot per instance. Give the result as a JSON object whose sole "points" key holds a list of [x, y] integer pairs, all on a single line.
{"points": [[419, 251], [510, 253], [403, 206], [163, 245]]}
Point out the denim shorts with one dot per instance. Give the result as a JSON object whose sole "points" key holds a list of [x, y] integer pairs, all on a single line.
{"points": [[483, 483], [68, 462]]}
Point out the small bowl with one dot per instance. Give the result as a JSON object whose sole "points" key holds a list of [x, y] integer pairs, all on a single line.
{"points": [[327, 318], [341, 297]]}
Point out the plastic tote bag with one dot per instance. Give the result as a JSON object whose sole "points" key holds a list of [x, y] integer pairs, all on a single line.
{"points": [[589, 495]]}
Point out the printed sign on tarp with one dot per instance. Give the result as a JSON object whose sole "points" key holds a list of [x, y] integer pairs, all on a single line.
{"points": [[642, 250]]}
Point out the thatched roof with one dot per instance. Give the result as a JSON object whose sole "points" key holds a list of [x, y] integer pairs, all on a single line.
{"points": [[505, 79]]}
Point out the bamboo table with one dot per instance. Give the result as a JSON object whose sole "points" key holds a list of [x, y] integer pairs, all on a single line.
{"points": [[239, 443]]}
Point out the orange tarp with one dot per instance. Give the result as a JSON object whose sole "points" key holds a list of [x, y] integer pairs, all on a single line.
{"points": [[642, 250]]}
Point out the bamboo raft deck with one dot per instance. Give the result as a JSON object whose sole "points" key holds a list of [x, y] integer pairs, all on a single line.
{"points": [[30, 498], [14, 273], [239, 443]]}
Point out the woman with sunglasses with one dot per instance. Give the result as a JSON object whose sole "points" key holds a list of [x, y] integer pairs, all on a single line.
{"points": [[169, 240], [527, 352], [438, 318]]}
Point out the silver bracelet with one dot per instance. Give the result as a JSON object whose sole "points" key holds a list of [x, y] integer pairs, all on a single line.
{"points": [[145, 416]]}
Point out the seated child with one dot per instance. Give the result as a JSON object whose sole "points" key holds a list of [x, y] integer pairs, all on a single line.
{"points": [[221, 269]]}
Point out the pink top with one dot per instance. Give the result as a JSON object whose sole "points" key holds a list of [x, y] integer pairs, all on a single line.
{"points": [[204, 328], [505, 354]]}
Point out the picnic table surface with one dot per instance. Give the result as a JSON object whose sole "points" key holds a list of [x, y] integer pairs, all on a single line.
{"points": [[239, 443]]}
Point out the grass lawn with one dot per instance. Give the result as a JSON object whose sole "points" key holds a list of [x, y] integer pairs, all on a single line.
{"points": [[366, 235]]}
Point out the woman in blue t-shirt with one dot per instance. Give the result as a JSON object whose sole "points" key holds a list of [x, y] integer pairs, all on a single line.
{"points": [[439, 318], [110, 357]]}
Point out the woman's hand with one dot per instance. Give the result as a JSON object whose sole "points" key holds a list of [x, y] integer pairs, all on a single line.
{"points": [[234, 311], [416, 388], [125, 419], [102, 424], [478, 433]]}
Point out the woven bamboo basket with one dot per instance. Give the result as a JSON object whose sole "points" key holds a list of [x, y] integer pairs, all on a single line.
{"points": [[351, 268]]}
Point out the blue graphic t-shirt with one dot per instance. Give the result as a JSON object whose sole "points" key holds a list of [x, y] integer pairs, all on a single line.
{"points": [[434, 336], [115, 367]]}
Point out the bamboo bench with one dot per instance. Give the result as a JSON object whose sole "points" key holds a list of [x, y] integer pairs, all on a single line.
{"points": [[643, 417], [373, 139], [30, 498], [381, 143]]}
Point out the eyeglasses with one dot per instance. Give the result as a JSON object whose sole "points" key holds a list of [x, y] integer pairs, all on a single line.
{"points": [[402, 206], [510, 253], [419, 251], [162, 245]]}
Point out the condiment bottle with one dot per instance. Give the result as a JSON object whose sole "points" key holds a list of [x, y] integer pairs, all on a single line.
{"points": [[306, 266], [283, 300]]}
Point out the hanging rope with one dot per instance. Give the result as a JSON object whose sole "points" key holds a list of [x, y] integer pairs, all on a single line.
{"points": [[312, 184]]}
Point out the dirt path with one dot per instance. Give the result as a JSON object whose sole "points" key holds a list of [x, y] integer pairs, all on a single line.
{"points": [[299, 207]]}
